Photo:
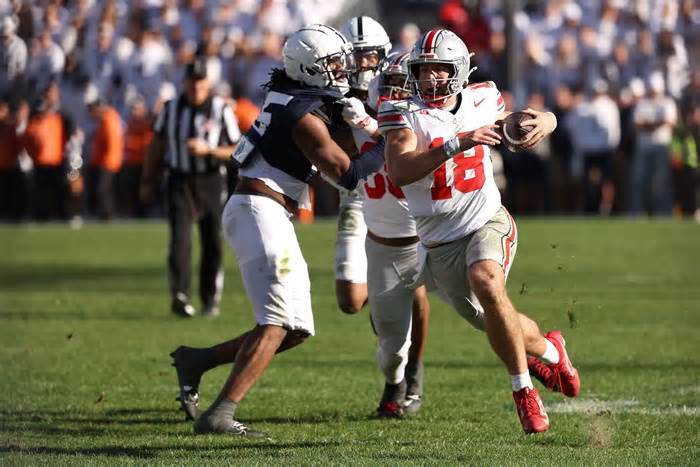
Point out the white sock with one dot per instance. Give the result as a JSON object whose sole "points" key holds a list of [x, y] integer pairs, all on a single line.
{"points": [[551, 354], [520, 381]]}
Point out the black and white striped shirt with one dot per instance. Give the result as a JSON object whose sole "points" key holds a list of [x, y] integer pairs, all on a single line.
{"points": [[213, 121]]}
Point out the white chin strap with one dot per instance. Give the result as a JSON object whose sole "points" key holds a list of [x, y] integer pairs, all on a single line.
{"points": [[363, 79]]}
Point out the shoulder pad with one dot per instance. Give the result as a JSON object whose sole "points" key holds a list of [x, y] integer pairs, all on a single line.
{"points": [[400, 106], [484, 84]]}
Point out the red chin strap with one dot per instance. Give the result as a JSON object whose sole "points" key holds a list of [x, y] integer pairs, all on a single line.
{"points": [[437, 101]]}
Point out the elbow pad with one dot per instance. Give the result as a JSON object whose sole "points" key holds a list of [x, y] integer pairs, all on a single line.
{"points": [[363, 166]]}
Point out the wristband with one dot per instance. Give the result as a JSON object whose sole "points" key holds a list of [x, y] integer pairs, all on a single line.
{"points": [[451, 147], [368, 125]]}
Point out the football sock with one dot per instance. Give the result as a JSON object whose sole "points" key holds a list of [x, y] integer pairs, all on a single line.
{"points": [[551, 354], [520, 381], [394, 392], [220, 413], [414, 377]]}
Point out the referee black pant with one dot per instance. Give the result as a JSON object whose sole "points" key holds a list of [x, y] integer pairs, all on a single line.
{"points": [[197, 198]]}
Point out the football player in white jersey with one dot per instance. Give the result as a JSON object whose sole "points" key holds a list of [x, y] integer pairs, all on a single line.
{"points": [[437, 150], [370, 44], [278, 157], [399, 314]]}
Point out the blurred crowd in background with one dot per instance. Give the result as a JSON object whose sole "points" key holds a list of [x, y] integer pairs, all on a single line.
{"points": [[82, 80]]}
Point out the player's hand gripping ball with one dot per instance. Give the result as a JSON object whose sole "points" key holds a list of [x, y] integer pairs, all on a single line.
{"points": [[514, 131]]}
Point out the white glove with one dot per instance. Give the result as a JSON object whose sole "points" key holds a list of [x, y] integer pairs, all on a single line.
{"points": [[356, 116]]}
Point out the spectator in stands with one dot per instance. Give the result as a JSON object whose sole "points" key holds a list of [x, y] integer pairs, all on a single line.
{"points": [[599, 155], [549, 26], [684, 162], [103, 68], [673, 60], [655, 117], [270, 56], [563, 181], [13, 55], [408, 35], [106, 154], [44, 140], [150, 64], [9, 167], [138, 137], [567, 67], [619, 70], [47, 61], [493, 64]]}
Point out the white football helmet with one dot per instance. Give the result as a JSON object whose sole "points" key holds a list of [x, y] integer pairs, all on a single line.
{"points": [[392, 83], [366, 35], [318, 56], [440, 46]]}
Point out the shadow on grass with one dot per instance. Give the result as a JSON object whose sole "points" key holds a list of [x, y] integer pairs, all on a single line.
{"points": [[87, 315], [313, 419], [140, 453], [151, 452], [97, 277], [49, 422]]}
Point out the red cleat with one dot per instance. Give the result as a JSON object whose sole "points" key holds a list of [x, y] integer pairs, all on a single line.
{"points": [[390, 410], [561, 377], [530, 410], [566, 376]]}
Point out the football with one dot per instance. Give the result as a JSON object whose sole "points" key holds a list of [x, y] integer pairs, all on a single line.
{"points": [[513, 130]]}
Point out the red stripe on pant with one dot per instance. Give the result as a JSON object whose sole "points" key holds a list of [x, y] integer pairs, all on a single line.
{"points": [[509, 242]]}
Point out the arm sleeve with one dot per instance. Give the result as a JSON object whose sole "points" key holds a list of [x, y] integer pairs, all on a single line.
{"points": [[391, 118], [363, 166]]}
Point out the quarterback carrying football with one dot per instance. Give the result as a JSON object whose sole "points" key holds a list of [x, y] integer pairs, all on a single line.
{"points": [[437, 150]]}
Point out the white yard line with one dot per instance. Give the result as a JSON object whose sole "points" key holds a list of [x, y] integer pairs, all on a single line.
{"points": [[595, 406]]}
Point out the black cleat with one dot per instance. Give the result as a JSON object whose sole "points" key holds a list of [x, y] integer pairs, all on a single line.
{"points": [[414, 386], [204, 425], [182, 307], [188, 378]]}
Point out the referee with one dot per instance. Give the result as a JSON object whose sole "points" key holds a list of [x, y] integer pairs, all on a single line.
{"points": [[194, 136]]}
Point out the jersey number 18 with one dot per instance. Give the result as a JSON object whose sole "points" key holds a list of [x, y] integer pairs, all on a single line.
{"points": [[468, 175]]}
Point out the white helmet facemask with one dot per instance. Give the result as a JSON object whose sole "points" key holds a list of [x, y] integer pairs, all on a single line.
{"points": [[393, 80], [319, 56], [368, 38]]}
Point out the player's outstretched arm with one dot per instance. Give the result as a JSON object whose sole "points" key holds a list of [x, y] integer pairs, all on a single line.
{"points": [[314, 140], [407, 165]]}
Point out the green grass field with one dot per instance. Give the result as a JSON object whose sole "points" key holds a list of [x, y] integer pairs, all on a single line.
{"points": [[86, 330]]}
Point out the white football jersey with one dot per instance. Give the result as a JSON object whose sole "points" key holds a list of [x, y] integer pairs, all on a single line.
{"points": [[461, 195], [384, 206]]}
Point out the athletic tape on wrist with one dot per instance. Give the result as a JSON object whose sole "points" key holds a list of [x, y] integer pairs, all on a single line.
{"points": [[451, 147]]}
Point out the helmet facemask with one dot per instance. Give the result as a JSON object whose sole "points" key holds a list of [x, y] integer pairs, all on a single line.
{"points": [[368, 62], [335, 69], [438, 90], [394, 86]]}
